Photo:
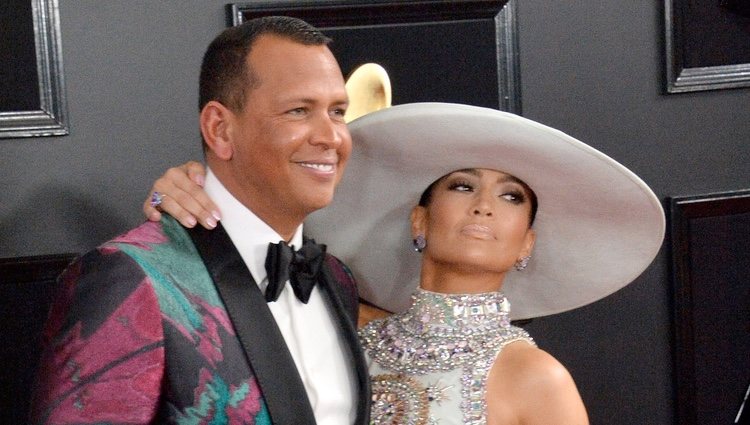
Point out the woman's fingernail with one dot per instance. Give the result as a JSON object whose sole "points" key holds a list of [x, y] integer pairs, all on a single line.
{"points": [[191, 221], [211, 222], [200, 180], [216, 215]]}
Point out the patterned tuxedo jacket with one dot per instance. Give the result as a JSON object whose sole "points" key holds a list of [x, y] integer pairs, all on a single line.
{"points": [[140, 333]]}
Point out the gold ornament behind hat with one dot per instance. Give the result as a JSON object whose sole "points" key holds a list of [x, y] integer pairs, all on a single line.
{"points": [[369, 90]]}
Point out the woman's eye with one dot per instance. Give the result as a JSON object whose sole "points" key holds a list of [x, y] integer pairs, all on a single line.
{"points": [[461, 187], [515, 197]]}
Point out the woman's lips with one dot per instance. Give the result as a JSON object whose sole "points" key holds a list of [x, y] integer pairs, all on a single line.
{"points": [[477, 231]]}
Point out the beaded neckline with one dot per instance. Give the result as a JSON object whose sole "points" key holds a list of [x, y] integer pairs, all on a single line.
{"points": [[419, 349], [440, 331], [457, 314]]}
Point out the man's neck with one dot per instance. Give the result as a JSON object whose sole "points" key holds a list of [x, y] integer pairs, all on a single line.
{"points": [[280, 219]]}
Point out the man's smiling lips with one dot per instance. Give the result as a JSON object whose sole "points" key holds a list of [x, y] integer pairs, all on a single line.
{"points": [[319, 166], [478, 231], [324, 169]]}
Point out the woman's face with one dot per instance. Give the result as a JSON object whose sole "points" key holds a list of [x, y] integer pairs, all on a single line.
{"points": [[476, 220]]}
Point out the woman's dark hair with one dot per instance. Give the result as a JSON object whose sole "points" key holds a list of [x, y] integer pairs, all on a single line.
{"points": [[426, 197]]}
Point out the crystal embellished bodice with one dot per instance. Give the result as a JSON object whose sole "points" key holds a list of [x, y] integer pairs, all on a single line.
{"points": [[430, 363]]}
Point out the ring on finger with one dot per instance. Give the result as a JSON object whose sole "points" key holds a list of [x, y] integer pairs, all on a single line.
{"points": [[156, 199]]}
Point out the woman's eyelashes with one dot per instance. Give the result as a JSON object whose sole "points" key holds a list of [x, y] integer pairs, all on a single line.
{"points": [[461, 186], [513, 194]]}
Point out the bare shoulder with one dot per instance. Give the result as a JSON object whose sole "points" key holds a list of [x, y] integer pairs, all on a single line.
{"points": [[368, 313], [530, 366], [534, 386]]}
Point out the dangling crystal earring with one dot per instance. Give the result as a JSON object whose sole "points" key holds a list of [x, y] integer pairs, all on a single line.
{"points": [[522, 263], [419, 243]]}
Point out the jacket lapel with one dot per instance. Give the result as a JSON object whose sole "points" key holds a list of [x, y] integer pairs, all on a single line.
{"points": [[264, 346], [348, 330]]}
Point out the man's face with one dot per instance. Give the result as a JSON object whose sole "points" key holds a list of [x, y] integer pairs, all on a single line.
{"points": [[290, 142]]}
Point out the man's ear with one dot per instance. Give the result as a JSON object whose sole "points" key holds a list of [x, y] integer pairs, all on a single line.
{"points": [[216, 127], [418, 219]]}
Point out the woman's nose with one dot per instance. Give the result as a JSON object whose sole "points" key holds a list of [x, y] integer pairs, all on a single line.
{"points": [[483, 206]]}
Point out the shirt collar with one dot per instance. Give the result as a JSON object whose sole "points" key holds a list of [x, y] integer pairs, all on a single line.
{"points": [[249, 234]]}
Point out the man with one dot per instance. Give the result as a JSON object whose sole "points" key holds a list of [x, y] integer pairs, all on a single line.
{"points": [[171, 325]]}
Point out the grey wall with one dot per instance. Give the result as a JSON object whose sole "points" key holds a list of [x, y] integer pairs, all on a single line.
{"points": [[593, 69]]}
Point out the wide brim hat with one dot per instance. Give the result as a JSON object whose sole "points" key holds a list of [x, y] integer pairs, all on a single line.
{"points": [[598, 225]]}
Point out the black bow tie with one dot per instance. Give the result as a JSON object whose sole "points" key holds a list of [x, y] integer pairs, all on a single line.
{"points": [[300, 268]]}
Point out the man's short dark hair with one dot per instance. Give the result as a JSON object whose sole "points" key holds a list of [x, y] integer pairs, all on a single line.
{"points": [[224, 72]]}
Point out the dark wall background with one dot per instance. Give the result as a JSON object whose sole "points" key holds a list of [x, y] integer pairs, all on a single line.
{"points": [[593, 69]]}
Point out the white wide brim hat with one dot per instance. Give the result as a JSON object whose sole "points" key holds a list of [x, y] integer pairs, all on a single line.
{"points": [[598, 225]]}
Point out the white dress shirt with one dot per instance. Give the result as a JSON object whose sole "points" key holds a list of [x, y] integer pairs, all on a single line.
{"points": [[309, 330]]}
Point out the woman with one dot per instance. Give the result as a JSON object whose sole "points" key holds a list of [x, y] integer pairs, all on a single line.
{"points": [[449, 354]]}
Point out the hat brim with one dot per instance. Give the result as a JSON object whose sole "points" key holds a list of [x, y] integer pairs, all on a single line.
{"points": [[598, 225]]}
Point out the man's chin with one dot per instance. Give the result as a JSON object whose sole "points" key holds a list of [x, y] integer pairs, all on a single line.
{"points": [[318, 203]]}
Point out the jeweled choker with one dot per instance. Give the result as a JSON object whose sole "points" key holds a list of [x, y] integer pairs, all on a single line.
{"points": [[441, 331]]}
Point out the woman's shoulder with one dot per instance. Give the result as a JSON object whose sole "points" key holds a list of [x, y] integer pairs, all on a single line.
{"points": [[526, 365], [534, 385], [368, 313]]}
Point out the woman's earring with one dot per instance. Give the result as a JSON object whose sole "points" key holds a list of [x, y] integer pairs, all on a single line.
{"points": [[522, 263], [419, 243]]}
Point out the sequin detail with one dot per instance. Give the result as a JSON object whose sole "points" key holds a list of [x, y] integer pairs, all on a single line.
{"points": [[399, 400], [439, 333]]}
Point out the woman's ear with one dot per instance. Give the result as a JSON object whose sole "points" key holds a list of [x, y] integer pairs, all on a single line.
{"points": [[418, 219], [528, 243], [216, 127]]}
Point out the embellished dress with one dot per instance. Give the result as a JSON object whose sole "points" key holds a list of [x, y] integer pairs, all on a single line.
{"points": [[429, 364]]}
